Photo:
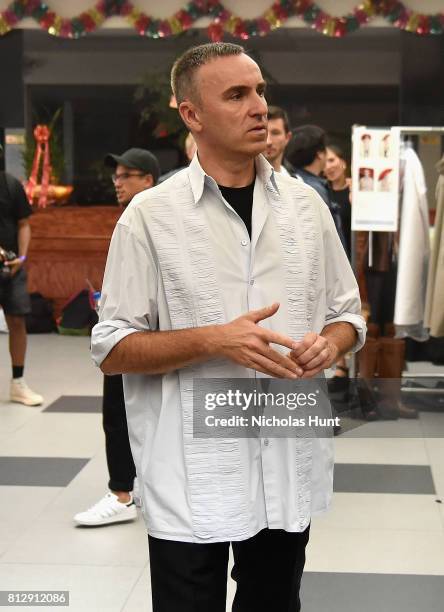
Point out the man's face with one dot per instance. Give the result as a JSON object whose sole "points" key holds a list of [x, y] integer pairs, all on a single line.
{"points": [[277, 140], [229, 117], [128, 182]]}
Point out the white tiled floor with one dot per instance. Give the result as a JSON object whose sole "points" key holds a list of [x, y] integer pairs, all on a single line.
{"points": [[106, 568]]}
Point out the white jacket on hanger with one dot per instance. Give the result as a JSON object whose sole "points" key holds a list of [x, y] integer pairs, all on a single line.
{"points": [[414, 250]]}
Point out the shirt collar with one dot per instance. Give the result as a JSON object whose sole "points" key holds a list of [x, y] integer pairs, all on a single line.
{"points": [[264, 172]]}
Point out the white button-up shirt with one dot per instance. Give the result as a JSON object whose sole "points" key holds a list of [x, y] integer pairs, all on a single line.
{"points": [[181, 257]]}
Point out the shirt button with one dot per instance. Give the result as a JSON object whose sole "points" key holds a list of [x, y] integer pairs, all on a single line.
{"points": [[252, 281], [244, 242]]}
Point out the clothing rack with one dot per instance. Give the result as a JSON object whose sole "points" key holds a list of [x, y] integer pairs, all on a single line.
{"points": [[412, 131]]}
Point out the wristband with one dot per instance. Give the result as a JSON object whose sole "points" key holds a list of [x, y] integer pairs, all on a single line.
{"points": [[22, 258]]}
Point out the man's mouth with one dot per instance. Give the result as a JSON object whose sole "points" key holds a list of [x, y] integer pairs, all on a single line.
{"points": [[258, 128]]}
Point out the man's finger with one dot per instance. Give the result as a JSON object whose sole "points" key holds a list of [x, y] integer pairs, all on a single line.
{"points": [[303, 357], [320, 362], [262, 313], [277, 338], [307, 341], [311, 373], [266, 366], [282, 360]]}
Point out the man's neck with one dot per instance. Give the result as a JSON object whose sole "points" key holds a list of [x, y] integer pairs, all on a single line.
{"points": [[277, 163], [227, 172], [313, 168]]}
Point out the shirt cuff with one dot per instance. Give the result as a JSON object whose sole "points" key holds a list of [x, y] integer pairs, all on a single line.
{"points": [[105, 335], [358, 323]]}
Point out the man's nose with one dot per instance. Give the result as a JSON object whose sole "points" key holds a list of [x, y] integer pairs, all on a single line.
{"points": [[268, 139], [259, 106]]}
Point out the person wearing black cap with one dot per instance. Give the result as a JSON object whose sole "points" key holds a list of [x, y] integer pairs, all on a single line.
{"points": [[134, 171]]}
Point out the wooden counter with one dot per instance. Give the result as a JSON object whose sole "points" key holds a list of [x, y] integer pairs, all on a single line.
{"points": [[69, 245]]}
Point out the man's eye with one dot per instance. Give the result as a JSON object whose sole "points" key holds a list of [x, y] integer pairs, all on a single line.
{"points": [[236, 96]]}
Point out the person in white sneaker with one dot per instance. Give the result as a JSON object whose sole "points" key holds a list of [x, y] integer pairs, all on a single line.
{"points": [[134, 171], [15, 236], [108, 510]]}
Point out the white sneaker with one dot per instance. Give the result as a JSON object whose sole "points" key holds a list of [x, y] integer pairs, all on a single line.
{"points": [[108, 510], [21, 393]]}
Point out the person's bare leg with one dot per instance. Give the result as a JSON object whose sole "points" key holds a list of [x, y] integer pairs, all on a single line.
{"points": [[17, 339], [123, 496]]}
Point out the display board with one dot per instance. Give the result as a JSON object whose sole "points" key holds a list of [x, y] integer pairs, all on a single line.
{"points": [[375, 179]]}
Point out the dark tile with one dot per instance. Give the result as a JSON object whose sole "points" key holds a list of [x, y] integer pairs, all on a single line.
{"points": [[374, 478], [39, 471], [337, 592], [76, 403]]}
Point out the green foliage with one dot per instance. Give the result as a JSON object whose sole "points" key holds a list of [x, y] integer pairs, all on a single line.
{"points": [[57, 157], [153, 100]]}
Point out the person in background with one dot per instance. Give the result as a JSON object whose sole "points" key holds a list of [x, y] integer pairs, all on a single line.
{"points": [[15, 236], [279, 135], [134, 171], [190, 149], [339, 186], [307, 153]]}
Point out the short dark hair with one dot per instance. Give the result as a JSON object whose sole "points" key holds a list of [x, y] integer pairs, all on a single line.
{"points": [[276, 112], [337, 150], [306, 142], [185, 67]]}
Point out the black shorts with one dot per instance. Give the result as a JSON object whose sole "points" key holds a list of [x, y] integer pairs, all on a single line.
{"points": [[14, 297]]}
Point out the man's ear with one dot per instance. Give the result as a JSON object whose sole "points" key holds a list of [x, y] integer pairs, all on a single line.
{"points": [[288, 137], [190, 115], [149, 181]]}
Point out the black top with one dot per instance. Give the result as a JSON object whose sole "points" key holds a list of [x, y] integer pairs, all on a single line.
{"points": [[14, 206], [342, 199], [241, 199]]}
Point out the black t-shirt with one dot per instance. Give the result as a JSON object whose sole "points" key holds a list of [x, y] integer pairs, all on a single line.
{"points": [[241, 199], [342, 198], [14, 206]]}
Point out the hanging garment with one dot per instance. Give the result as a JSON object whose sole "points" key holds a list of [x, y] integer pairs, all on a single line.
{"points": [[414, 249], [434, 312]]}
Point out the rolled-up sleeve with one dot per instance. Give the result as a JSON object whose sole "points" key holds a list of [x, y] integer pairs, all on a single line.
{"points": [[129, 292], [341, 289]]}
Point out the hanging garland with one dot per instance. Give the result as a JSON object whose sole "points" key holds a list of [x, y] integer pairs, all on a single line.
{"points": [[224, 21]]}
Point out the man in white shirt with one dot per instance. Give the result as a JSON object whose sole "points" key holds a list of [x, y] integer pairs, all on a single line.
{"points": [[279, 135], [226, 270]]}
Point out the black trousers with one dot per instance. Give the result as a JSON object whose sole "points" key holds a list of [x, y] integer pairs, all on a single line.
{"points": [[268, 568], [118, 452]]}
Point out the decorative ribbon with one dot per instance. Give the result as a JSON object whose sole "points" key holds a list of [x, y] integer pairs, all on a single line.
{"points": [[42, 134], [223, 20]]}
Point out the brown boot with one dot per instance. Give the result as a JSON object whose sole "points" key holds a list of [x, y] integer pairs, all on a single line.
{"points": [[367, 367], [368, 358], [389, 330], [373, 330], [391, 365]]}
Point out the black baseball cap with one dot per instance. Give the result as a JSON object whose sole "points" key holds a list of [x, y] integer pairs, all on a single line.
{"points": [[139, 159]]}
